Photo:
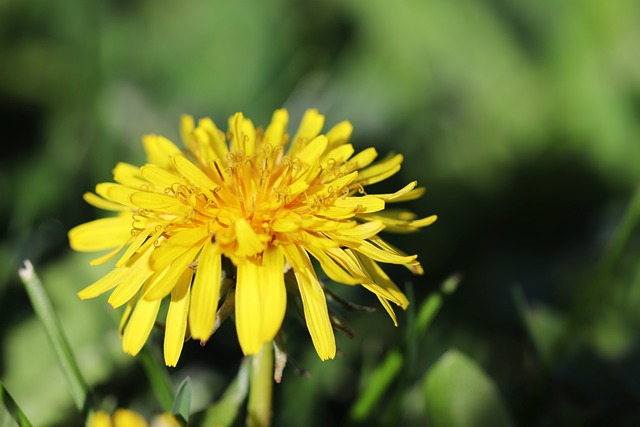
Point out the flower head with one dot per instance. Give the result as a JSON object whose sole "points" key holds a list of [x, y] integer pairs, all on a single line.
{"points": [[259, 199], [128, 418]]}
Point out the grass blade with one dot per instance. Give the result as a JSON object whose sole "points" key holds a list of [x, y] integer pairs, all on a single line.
{"points": [[44, 310], [378, 383], [13, 408]]}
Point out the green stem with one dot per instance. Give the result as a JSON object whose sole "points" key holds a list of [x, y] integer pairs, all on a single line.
{"points": [[261, 388]]}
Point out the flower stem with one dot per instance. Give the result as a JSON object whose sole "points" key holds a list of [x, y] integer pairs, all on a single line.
{"points": [[261, 388]]}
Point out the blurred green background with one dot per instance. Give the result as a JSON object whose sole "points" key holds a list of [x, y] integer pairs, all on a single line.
{"points": [[521, 118]]}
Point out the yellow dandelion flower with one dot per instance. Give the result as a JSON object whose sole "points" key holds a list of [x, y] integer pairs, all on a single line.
{"points": [[265, 202], [128, 418]]}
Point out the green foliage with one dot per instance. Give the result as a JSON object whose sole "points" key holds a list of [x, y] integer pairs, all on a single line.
{"points": [[64, 354], [459, 394], [545, 328], [376, 385], [226, 410], [432, 304], [12, 409], [158, 378], [520, 118], [182, 403]]}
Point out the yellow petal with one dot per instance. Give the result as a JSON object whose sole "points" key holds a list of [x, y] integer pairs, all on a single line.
{"points": [[332, 269], [139, 326], [137, 274], [176, 324], [285, 224], [214, 138], [337, 156], [127, 418], [310, 155], [249, 244], [380, 177], [236, 142], [380, 171], [324, 224], [156, 238], [106, 257], [336, 186], [362, 159], [165, 420], [424, 222], [128, 175], [381, 284], [276, 130], [101, 203], [159, 150], [310, 127], [176, 245], [187, 125], [160, 178], [362, 204], [115, 192], [248, 137], [336, 212], [411, 195], [108, 282], [399, 221], [157, 201], [124, 319], [384, 254], [193, 174], [381, 243], [134, 245], [317, 240], [261, 301], [163, 283], [361, 231], [398, 194], [100, 234], [205, 294], [348, 261], [314, 302], [388, 309], [340, 133], [296, 188], [100, 419]]}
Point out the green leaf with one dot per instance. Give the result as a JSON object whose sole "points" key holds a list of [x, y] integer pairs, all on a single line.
{"points": [[459, 394], [428, 311], [431, 306], [182, 402], [47, 316], [13, 408], [158, 378], [595, 292], [378, 382], [545, 327], [225, 411]]}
